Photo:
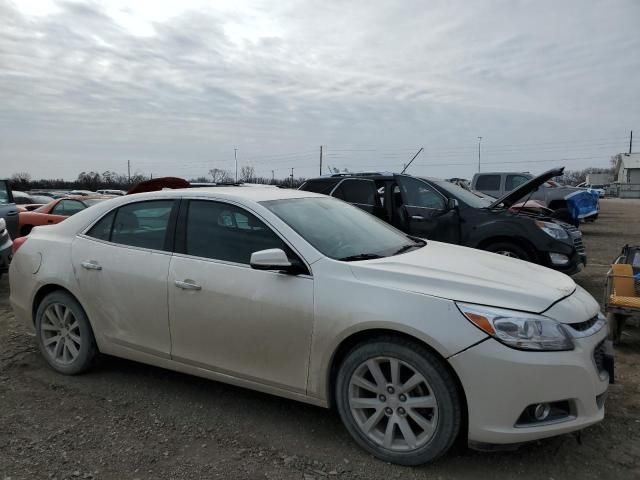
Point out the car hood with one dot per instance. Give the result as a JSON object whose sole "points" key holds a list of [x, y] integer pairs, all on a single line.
{"points": [[468, 275], [516, 195]]}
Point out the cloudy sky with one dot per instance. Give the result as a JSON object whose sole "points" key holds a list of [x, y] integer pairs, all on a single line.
{"points": [[174, 86]]}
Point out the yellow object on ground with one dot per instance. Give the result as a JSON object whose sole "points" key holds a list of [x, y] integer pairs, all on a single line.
{"points": [[624, 290]]}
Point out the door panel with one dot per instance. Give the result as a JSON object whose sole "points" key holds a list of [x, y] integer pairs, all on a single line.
{"points": [[424, 209], [125, 293], [228, 317], [240, 321]]}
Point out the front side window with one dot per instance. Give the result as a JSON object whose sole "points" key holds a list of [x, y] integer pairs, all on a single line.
{"points": [[221, 231], [339, 230], [417, 193], [142, 224], [514, 181]]}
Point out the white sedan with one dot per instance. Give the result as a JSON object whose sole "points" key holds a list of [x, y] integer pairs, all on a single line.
{"points": [[300, 295]]}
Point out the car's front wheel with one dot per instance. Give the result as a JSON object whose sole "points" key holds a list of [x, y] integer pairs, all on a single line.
{"points": [[399, 401], [509, 249], [64, 334]]}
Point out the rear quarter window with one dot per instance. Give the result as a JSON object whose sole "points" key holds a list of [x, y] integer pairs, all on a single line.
{"points": [[488, 182]]}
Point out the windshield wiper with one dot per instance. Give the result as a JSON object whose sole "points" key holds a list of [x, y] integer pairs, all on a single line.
{"points": [[360, 256], [409, 246]]}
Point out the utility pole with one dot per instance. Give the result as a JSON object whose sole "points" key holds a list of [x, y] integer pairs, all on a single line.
{"points": [[235, 157], [631, 142], [129, 170], [273, 175], [320, 159], [291, 177], [479, 141], [414, 157]]}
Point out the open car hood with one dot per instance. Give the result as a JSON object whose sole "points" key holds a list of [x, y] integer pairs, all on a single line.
{"points": [[532, 185]]}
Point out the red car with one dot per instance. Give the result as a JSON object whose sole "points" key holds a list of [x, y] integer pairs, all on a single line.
{"points": [[55, 212]]}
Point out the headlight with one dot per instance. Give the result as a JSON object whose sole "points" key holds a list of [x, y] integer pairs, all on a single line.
{"points": [[553, 230], [519, 330]]}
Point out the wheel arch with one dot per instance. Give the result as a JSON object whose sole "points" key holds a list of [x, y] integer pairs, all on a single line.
{"points": [[45, 290], [356, 338], [516, 240]]}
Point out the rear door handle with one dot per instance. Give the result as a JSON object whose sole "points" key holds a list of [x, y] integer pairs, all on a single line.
{"points": [[91, 265], [12, 213], [187, 285]]}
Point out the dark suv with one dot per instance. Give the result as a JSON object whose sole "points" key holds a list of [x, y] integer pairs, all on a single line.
{"points": [[440, 210]]}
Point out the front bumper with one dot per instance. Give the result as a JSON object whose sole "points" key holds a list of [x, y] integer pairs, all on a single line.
{"points": [[500, 383]]}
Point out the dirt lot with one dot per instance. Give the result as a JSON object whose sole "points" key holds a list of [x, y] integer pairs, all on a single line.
{"points": [[126, 420]]}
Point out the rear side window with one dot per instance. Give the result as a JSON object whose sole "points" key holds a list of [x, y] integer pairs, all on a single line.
{"points": [[102, 229], [68, 207], [514, 181], [222, 231], [142, 224], [4, 192], [362, 192], [488, 182]]}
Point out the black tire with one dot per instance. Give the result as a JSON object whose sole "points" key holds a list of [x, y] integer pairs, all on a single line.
{"points": [[441, 382], [509, 249], [26, 230], [87, 349]]}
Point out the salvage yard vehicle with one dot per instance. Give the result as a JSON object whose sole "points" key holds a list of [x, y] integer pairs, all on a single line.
{"points": [[440, 210], [301, 295], [8, 224], [55, 211], [550, 193]]}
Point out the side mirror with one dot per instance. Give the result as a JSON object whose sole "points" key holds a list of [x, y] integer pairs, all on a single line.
{"points": [[271, 259], [452, 204]]}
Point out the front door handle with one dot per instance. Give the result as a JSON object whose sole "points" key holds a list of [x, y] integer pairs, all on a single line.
{"points": [[187, 285], [12, 213], [417, 218], [91, 265]]}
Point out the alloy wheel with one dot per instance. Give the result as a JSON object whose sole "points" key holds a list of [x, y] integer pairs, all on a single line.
{"points": [[393, 404], [507, 253], [60, 333]]}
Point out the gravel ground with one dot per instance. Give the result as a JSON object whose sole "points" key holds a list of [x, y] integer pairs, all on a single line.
{"points": [[126, 420]]}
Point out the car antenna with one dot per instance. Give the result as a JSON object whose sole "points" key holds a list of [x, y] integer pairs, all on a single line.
{"points": [[411, 161]]}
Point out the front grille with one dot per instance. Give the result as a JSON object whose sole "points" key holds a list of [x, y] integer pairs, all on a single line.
{"points": [[598, 356], [583, 326], [576, 236]]}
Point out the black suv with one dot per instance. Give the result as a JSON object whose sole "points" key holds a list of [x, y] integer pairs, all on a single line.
{"points": [[440, 210]]}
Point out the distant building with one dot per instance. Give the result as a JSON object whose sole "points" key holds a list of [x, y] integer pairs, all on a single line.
{"points": [[627, 168], [627, 175], [598, 178]]}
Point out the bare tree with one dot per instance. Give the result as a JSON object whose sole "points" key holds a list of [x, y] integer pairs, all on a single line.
{"points": [[247, 173], [219, 176], [21, 180]]}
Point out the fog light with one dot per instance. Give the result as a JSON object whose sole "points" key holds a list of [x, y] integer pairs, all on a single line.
{"points": [[542, 411], [559, 259]]}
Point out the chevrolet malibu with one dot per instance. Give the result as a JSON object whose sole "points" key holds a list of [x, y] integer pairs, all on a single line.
{"points": [[296, 294]]}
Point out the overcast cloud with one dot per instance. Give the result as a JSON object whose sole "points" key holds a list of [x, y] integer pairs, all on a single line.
{"points": [[175, 86]]}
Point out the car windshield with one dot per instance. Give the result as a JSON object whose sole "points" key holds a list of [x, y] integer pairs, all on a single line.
{"points": [[341, 231], [466, 196]]}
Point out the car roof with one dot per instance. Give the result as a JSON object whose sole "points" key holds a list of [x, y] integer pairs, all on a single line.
{"points": [[255, 193]]}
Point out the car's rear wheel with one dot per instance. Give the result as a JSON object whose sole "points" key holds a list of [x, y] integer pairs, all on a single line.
{"points": [[64, 334], [509, 249], [399, 401]]}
